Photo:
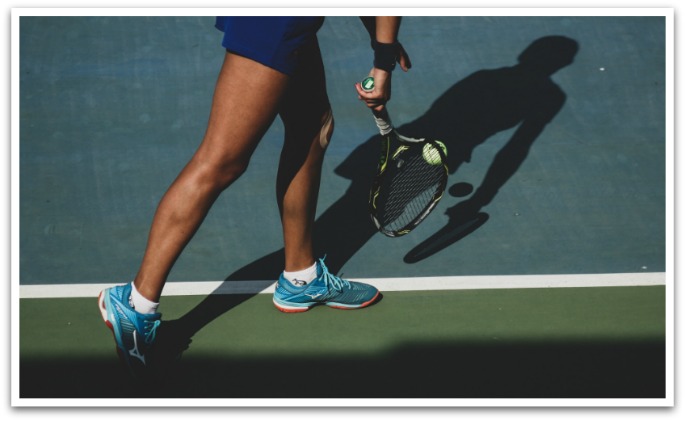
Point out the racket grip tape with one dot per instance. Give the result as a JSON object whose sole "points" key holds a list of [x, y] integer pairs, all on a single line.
{"points": [[383, 121]]}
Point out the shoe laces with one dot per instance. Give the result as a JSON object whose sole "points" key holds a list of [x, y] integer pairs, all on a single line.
{"points": [[151, 330], [331, 280]]}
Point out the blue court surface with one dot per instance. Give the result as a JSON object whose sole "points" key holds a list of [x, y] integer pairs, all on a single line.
{"points": [[573, 166]]}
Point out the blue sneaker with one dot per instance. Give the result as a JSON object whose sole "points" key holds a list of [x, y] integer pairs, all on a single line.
{"points": [[325, 289], [134, 333]]}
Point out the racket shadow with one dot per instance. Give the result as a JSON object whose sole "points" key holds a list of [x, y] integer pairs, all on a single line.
{"points": [[454, 231]]}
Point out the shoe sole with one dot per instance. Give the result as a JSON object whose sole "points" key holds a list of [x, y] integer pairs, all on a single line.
{"points": [[292, 309], [103, 312]]}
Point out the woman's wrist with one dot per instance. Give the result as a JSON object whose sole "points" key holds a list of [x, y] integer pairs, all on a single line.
{"points": [[385, 55]]}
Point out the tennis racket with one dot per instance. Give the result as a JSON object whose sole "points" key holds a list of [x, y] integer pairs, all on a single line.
{"points": [[410, 179]]}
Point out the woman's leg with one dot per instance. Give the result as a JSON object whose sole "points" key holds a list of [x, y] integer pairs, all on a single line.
{"points": [[246, 100], [308, 122], [308, 125]]}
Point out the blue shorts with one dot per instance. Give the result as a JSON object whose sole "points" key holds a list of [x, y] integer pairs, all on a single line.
{"points": [[270, 40]]}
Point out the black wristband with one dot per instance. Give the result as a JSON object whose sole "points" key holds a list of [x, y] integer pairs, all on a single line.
{"points": [[385, 55]]}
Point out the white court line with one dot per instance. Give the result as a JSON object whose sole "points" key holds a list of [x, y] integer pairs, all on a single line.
{"points": [[383, 284]]}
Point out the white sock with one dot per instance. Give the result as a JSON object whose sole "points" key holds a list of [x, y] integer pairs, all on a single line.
{"points": [[301, 277], [141, 304]]}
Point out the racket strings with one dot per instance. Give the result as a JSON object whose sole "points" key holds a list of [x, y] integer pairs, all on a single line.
{"points": [[409, 188]]}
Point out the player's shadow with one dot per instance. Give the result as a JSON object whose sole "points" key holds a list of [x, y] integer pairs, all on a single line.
{"points": [[485, 103], [473, 110]]}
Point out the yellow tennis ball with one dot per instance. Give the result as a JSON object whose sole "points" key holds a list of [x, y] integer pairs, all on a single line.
{"points": [[431, 154]]}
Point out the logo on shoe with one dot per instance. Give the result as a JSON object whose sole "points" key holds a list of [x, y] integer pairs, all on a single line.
{"points": [[134, 352], [315, 294]]}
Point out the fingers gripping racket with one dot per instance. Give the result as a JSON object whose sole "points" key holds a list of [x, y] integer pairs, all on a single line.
{"points": [[410, 179]]}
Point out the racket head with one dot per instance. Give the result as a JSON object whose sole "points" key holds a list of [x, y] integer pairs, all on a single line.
{"points": [[407, 186]]}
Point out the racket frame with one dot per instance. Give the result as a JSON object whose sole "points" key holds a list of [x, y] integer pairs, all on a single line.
{"points": [[391, 136]]}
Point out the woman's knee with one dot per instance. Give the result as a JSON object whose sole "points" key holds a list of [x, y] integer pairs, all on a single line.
{"points": [[217, 173]]}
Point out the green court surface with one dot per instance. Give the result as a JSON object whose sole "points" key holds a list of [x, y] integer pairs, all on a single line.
{"points": [[112, 107], [525, 343]]}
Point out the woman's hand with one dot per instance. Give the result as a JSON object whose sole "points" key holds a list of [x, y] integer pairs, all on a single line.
{"points": [[380, 95]]}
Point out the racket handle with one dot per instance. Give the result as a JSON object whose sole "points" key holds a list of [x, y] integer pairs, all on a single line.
{"points": [[383, 121], [382, 118]]}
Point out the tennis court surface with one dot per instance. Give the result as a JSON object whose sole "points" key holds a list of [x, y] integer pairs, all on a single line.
{"points": [[559, 290]]}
